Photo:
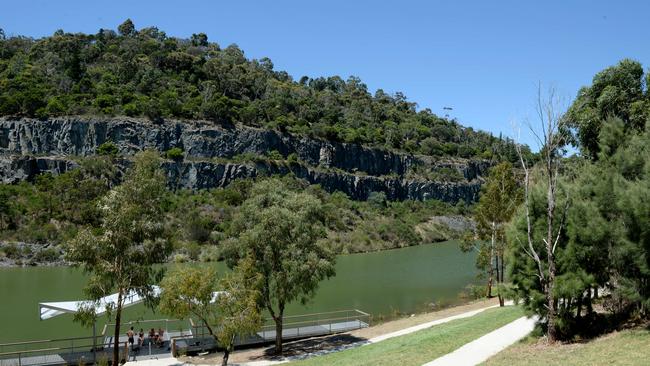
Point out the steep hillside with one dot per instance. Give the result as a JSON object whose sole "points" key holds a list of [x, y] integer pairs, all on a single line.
{"points": [[145, 73], [76, 108]]}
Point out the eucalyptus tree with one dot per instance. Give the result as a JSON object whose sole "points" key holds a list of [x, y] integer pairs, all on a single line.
{"points": [[280, 229], [617, 91], [120, 253], [226, 307], [499, 199]]}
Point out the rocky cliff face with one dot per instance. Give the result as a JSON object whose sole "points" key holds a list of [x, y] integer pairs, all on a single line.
{"points": [[29, 147]]}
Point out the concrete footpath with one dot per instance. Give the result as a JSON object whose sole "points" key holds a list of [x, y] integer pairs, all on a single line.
{"points": [[479, 350]]}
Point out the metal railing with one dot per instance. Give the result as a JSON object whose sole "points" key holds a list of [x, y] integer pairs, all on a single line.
{"points": [[70, 351], [73, 350], [299, 326], [54, 351]]}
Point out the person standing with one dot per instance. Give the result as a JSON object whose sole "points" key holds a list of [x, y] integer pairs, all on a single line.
{"points": [[130, 335]]}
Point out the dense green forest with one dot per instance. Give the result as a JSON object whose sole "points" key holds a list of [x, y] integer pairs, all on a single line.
{"points": [[145, 73], [51, 211]]}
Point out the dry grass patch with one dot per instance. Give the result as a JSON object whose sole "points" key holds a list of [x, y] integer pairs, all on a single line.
{"points": [[628, 347]]}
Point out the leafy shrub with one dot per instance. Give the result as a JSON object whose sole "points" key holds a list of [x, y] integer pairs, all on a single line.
{"points": [[108, 148], [274, 155], [192, 250], [175, 153], [475, 292], [292, 158], [46, 255], [210, 253], [377, 199], [180, 258], [11, 251], [131, 109]]}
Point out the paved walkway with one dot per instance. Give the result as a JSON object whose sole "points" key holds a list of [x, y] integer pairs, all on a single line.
{"points": [[488, 345]]}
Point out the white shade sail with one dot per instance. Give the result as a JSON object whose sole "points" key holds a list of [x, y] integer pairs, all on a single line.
{"points": [[49, 310]]}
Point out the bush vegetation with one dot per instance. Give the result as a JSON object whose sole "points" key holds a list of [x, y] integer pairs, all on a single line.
{"points": [[53, 209]]}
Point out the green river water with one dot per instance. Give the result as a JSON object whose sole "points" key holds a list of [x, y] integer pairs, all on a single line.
{"points": [[381, 283]]}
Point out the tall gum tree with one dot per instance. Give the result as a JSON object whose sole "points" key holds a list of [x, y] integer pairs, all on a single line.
{"points": [[280, 229], [120, 253]]}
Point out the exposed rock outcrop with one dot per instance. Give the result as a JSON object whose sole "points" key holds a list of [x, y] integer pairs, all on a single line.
{"points": [[29, 147], [77, 137]]}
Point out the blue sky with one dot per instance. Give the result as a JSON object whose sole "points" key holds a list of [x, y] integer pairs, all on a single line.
{"points": [[483, 58]]}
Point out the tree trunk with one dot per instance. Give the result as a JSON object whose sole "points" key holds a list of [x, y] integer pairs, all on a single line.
{"points": [[499, 278], [226, 352], [226, 355], [491, 268], [501, 299], [579, 307], [116, 336], [550, 285], [502, 268], [278, 333], [499, 295]]}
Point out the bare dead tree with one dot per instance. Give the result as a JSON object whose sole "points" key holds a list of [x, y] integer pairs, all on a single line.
{"points": [[551, 137]]}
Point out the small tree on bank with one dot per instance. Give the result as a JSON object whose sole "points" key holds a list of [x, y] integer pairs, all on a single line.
{"points": [[192, 292], [119, 254], [499, 199], [280, 228]]}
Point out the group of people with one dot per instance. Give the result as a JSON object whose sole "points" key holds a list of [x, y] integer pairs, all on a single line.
{"points": [[155, 338]]}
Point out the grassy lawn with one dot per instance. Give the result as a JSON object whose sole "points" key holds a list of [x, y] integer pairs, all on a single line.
{"points": [[630, 347], [423, 346]]}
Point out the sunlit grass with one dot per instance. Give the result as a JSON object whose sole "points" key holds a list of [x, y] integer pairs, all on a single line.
{"points": [[630, 347], [422, 346]]}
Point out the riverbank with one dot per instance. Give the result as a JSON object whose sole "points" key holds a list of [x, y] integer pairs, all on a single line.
{"points": [[435, 229], [326, 344], [20, 254]]}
